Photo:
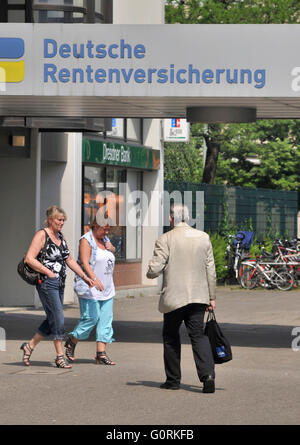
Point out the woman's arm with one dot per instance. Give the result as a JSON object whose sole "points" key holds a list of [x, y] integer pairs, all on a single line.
{"points": [[73, 265], [108, 244], [36, 246], [85, 252]]}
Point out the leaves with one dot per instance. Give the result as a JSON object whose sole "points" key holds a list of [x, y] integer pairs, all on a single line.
{"points": [[183, 162], [219, 244], [232, 11], [262, 155]]}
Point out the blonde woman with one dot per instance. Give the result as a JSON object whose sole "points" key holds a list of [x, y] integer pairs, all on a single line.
{"points": [[51, 289], [96, 255]]}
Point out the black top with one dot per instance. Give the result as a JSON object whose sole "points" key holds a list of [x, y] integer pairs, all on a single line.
{"points": [[56, 256]]}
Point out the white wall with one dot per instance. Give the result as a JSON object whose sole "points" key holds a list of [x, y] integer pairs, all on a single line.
{"points": [[153, 186], [129, 12], [51, 177], [71, 203]]}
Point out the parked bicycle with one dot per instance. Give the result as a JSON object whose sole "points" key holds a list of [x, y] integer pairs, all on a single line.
{"points": [[279, 269], [266, 275], [237, 250], [288, 251]]}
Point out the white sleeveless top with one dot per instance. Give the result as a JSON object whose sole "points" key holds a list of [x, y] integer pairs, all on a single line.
{"points": [[104, 269]]}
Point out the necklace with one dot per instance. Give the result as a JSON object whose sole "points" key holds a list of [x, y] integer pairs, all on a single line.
{"points": [[54, 236]]}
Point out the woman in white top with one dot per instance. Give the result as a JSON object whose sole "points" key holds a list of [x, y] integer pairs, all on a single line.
{"points": [[96, 257]]}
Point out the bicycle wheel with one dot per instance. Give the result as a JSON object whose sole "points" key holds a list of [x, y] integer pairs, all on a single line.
{"points": [[245, 266], [264, 282], [284, 281], [229, 260], [248, 277]]}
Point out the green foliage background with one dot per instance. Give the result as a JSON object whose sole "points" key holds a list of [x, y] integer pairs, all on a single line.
{"points": [[219, 247], [273, 144]]}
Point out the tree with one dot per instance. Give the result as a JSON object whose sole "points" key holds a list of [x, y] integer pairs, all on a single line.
{"points": [[232, 11], [218, 136], [264, 154], [183, 162]]}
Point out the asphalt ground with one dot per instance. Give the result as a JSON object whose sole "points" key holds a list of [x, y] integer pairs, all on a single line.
{"points": [[260, 386]]}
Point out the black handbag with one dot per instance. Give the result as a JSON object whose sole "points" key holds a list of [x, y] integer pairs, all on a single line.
{"points": [[220, 345], [28, 274]]}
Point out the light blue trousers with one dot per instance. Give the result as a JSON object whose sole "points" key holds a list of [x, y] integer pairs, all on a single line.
{"points": [[95, 313]]}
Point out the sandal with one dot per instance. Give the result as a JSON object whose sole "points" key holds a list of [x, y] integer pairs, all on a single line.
{"points": [[61, 363], [26, 355], [70, 348], [102, 359]]}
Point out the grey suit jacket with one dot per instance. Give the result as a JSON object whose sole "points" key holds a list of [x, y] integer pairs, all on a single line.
{"points": [[185, 257]]}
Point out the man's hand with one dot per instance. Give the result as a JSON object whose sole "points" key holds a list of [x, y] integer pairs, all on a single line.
{"points": [[212, 305]]}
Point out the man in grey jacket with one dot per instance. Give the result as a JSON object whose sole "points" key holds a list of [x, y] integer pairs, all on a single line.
{"points": [[185, 258]]}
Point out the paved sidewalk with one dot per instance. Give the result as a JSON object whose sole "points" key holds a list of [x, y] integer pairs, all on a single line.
{"points": [[261, 385]]}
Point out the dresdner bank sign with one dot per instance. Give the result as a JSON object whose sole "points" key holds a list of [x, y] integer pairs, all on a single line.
{"points": [[152, 60]]}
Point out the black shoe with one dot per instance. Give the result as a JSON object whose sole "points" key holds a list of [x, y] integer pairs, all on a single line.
{"points": [[167, 385], [208, 384]]}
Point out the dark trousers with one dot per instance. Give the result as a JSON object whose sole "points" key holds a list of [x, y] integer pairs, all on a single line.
{"points": [[193, 317]]}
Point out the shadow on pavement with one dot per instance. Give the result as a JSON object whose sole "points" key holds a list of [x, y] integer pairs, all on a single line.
{"points": [[191, 388], [245, 335], [22, 326], [35, 363]]}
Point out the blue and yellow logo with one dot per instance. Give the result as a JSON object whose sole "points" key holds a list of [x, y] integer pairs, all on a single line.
{"points": [[11, 71]]}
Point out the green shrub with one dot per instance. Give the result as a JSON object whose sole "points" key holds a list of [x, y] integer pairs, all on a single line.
{"points": [[219, 244], [255, 248]]}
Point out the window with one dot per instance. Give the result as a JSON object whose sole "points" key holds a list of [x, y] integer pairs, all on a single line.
{"points": [[14, 11], [56, 11], [113, 190], [59, 11], [115, 205], [103, 189], [99, 6], [133, 130], [76, 3], [93, 184], [117, 129], [16, 16]]}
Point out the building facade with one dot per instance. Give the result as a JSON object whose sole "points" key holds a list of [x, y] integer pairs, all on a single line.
{"points": [[84, 85], [80, 164]]}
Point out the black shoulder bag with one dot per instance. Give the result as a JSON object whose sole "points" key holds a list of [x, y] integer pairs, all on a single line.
{"points": [[220, 345], [28, 274]]}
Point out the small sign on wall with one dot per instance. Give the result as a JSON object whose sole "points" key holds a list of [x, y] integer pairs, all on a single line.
{"points": [[117, 128], [176, 130]]}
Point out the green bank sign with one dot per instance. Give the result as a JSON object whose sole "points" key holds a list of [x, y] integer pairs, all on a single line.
{"points": [[110, 153]]}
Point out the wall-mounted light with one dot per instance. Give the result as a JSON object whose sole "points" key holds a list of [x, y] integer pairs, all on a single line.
{"points": [[18, 141], [220, 114]]}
